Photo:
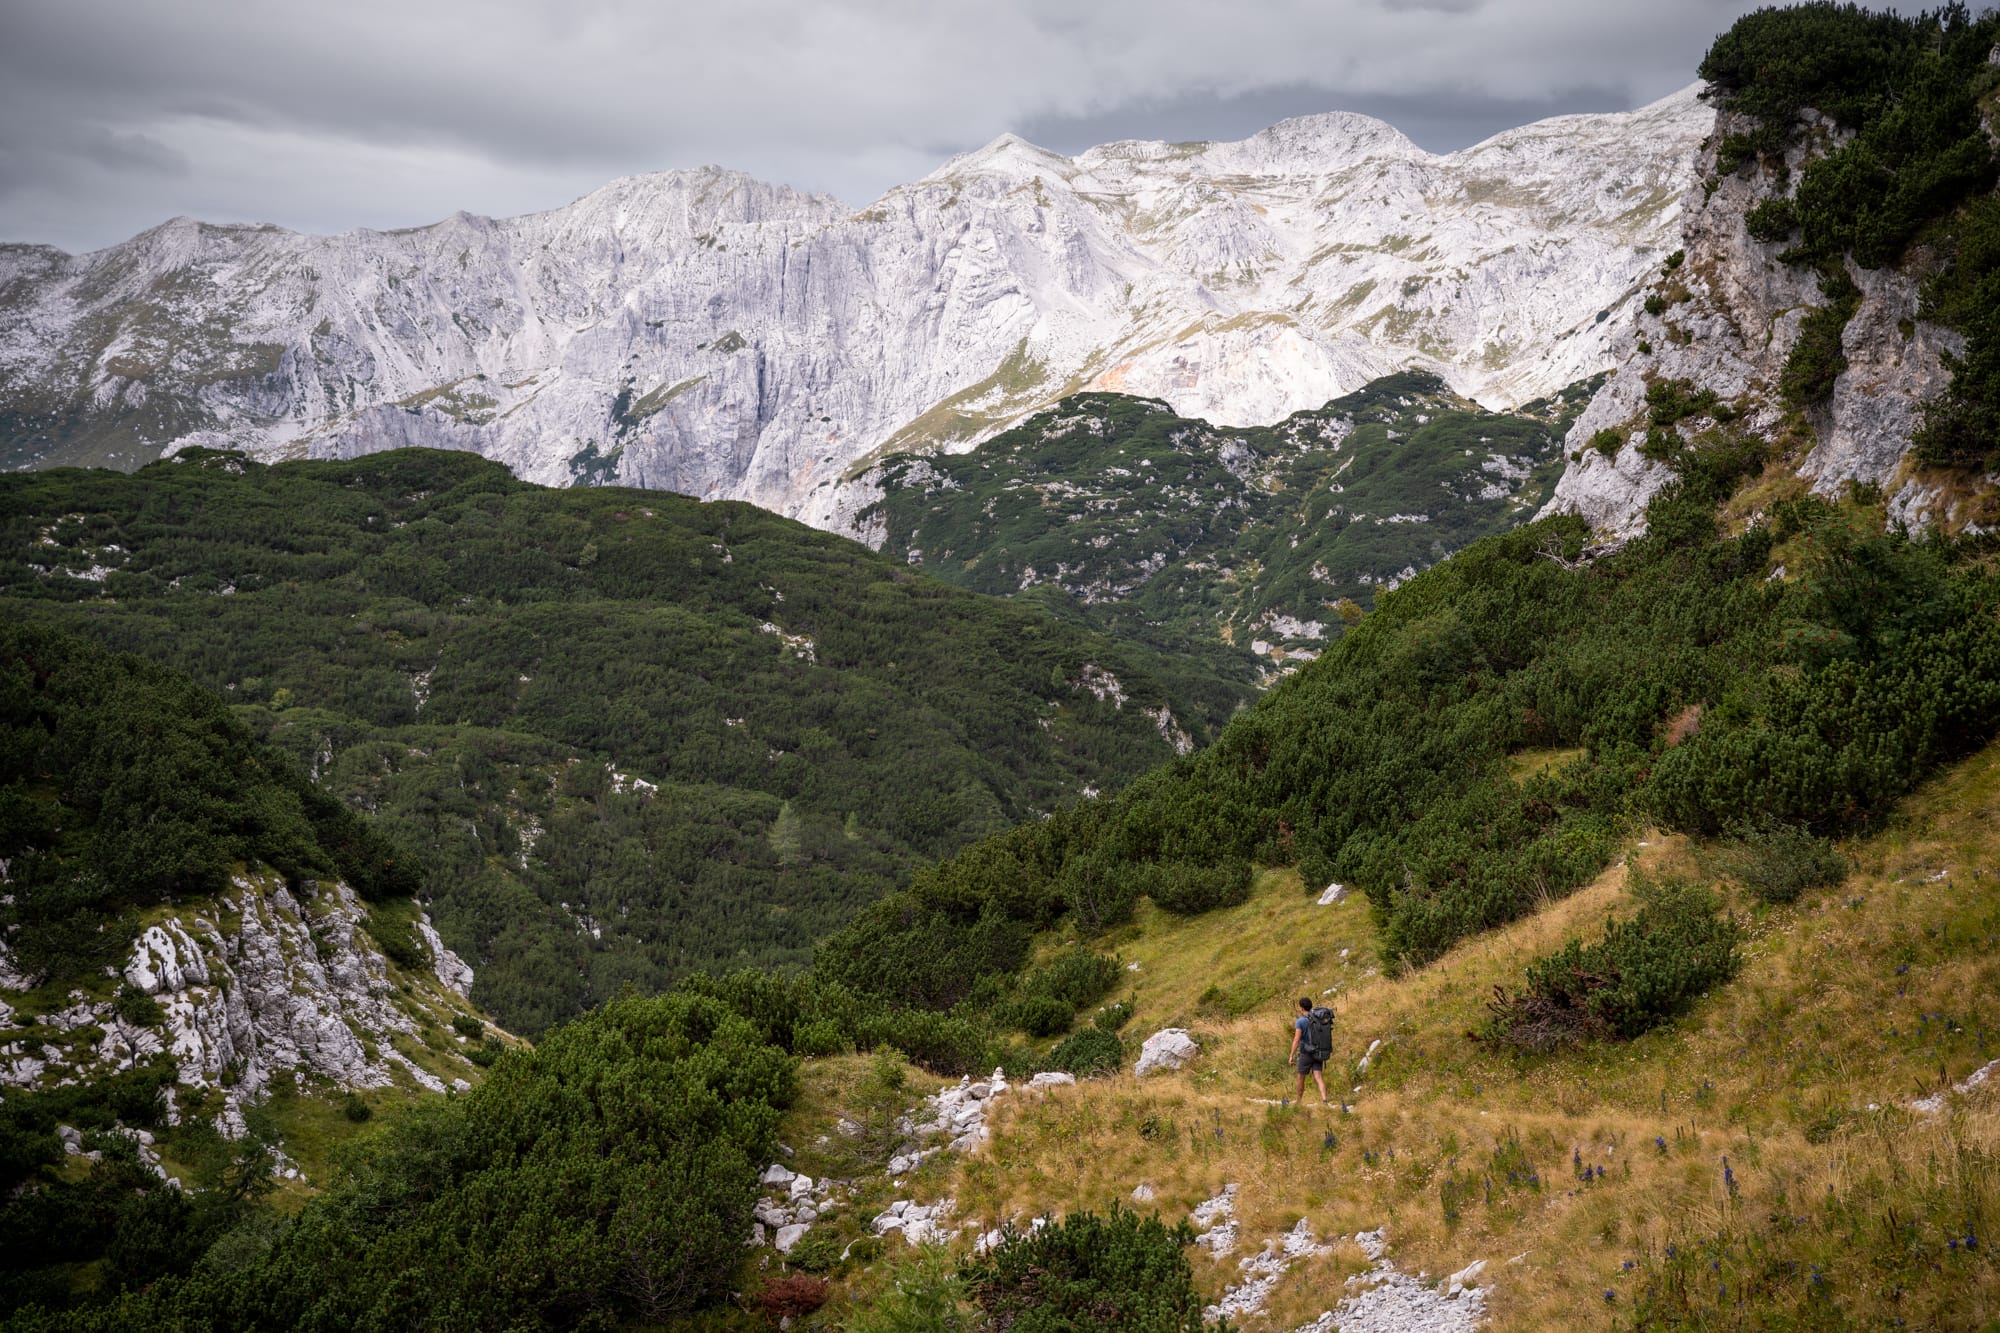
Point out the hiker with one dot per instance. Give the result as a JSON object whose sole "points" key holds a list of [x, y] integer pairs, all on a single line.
{"points": [[1312, 1045]]}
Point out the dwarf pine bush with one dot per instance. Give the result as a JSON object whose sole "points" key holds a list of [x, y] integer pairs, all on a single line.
{"points": [[1779, 862], [1642, 973], [1118, 1270], [1088, 1051]]}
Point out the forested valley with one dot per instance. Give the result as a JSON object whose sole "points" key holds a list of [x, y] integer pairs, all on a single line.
{"points": [[628, 736]]}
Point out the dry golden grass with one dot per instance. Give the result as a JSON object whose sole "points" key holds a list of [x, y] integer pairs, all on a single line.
{"points": [[1799, 1072]]}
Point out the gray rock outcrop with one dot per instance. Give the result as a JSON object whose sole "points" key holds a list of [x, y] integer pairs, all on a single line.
{"points": [[256, 987], [1167, 1049], [1733, 333]]}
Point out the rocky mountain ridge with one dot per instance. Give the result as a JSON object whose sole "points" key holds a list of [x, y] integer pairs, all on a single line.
{"points": [[1266, 537], [253, 989], [702, 332], [1769, 324]]}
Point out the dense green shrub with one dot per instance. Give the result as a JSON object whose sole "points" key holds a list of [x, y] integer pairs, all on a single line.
{"points": [[1607, 441], [1189, 889], [949, 1043], [1643, 973], [1772, 220], [1113, 1017], [1088, 1271], [1088, 1051], [468, 1026], [1818, 356], [604, 1178], [808, 1013], [1961, 428], [1076, 976], [1672, 400], [1780, 862], [905, 953], [398, 943], [136, 1007], [1036, 1015]]}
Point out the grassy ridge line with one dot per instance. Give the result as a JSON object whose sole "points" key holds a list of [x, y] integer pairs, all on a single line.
{"points": [[1799, 1073], [633, 735]]}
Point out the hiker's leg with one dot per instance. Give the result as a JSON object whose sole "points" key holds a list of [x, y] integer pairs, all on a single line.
{"points": [[1318, 1078]]}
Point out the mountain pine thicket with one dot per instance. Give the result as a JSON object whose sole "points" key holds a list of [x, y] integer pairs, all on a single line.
{"points": [[624, 735], [1159, 523]]}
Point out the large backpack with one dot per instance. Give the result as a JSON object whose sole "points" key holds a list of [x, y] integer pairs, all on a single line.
{"points": [[1319, 1033]]}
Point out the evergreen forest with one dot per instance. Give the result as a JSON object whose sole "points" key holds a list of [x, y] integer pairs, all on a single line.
{"points": [[624, 735]]}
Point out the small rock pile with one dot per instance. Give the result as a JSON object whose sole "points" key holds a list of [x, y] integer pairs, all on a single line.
{"points": [[957, 1113], [1215, 1222], [794, 1204], [1262, 1271], [952, 1120], [919, 1223], [1388, 1300]]}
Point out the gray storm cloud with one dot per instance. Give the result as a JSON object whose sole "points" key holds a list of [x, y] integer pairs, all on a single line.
{"points": [[115, 114]]}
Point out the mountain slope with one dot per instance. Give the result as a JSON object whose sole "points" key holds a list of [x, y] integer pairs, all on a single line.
{"points": [[1257, 535], [1833, 286], [700, 332], [210, 972], [631, 734], [1765, 1161]]}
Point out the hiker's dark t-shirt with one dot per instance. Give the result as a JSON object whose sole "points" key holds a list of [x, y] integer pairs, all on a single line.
{"points": [[1307, 1060]]}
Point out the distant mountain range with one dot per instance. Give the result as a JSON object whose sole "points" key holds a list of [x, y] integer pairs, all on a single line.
{"points": [[702, 332]]}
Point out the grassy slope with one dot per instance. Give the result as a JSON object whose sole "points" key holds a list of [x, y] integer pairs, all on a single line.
{"points": [[1777, 1072]]}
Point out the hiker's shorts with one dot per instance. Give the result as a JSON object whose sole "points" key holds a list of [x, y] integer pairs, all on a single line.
{"points": [[1308, 1062]]}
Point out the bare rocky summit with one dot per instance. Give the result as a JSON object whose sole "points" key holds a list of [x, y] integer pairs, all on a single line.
{"points": [[703, 332]]}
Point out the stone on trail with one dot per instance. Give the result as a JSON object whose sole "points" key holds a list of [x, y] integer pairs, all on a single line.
{"points": [[775, 1175], [790, 1236], [1053, 1078], [1335, 893]]}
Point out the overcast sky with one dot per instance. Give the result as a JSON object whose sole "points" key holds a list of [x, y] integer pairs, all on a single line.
{"points": [[117, 114]]}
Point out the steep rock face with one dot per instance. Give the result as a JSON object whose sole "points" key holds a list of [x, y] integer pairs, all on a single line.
{"points": [[1732, 333], [701, 332], [254, 987]]}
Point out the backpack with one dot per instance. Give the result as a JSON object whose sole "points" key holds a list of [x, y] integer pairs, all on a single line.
{"points": [[1319, 1033]]}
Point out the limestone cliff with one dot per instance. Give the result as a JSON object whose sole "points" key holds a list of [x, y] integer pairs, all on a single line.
{"points": [[1725, 319], [255, 987], [702, 332]]}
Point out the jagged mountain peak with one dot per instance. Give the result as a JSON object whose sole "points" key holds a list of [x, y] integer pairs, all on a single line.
{"points": [[702, 331], [1008, 155]]}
